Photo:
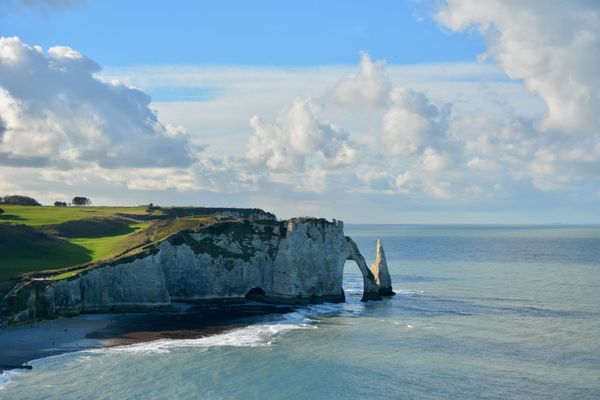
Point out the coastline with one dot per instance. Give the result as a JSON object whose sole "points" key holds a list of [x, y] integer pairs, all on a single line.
{"points": [[24, 343]]}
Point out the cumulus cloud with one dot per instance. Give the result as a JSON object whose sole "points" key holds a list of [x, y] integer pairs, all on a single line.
{"points": [[297, 138], [553, 46], [431, 172], [394, 136], [412, 122], [55, 111], [369, 87]]}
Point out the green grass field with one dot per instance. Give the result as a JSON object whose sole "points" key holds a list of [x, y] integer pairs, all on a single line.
{"points": [[48, 215], [59, 237]]}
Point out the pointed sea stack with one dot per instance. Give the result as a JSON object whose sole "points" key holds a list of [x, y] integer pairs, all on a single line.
{"points": [[381, 273]]}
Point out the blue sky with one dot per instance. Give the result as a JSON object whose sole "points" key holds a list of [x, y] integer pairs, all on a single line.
{"points": [[304, 33], [367, 111]]}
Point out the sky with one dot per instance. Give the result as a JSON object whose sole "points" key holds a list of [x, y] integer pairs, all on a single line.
{"points": [[371, 112]]}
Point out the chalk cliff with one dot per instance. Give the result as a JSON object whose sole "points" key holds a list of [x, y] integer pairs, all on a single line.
{"points": [[293, 262]]}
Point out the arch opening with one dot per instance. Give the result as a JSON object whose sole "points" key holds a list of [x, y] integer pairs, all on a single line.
{"points": [[353, 285], [370, 287], [256, 293]]}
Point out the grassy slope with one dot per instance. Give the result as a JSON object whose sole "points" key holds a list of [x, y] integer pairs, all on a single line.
{"points": [[105, 247], [48, 215], [25, 249]]}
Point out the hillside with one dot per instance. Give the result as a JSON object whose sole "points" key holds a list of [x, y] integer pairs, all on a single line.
{"points": [[46, 238], [34, 239]]}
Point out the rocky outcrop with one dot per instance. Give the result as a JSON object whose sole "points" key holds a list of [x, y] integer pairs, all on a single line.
{"points": [[381, 273], [293, 262]]}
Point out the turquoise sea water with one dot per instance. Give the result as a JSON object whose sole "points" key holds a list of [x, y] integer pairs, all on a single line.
{"points": [[482, 312]]}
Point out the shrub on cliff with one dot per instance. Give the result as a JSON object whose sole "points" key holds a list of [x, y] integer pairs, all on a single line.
{"points": [[19, 200], [81, 201], [151, 207]]}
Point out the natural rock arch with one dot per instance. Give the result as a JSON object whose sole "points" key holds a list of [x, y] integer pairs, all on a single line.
{"points": [[370, 288]]}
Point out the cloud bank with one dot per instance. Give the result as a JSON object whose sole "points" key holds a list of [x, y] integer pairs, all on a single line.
{"points": [[553, 46], [320, 135], [54, 111]]}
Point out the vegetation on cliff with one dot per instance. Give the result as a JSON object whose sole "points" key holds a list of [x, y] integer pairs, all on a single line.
{"points": [[60, 242]]}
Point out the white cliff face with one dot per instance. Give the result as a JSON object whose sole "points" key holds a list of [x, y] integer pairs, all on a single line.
{"points": [[380, 270], [309, 264], [131, 286], [293, 262]]}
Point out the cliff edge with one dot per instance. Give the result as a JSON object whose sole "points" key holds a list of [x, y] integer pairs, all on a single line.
{"points": [[298, 261]]}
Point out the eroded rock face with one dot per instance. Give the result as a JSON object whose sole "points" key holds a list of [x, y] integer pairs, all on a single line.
{"points": [[381, 273], [293, 262], [133, 286]]}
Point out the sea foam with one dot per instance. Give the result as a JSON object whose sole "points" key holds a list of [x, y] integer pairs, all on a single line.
{"points": [[255, 335], [260, 334], [6, 378]]}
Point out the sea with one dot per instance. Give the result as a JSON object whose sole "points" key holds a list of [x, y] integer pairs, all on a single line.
{"points": [[481, 312]]}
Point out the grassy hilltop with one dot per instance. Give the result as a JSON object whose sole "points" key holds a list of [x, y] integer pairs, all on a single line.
{"points": [[59, 242], [47, 238], [34, 238]]}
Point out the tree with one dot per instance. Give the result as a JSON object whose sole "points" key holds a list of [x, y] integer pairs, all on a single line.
{"points": [[60, 203], [151, 207], [19, 200], [81, 201]]}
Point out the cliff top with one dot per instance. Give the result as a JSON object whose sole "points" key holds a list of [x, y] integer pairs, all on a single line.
{"points": [[41, 238], [61, 242]]}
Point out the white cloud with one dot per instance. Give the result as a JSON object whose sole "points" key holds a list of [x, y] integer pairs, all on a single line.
{"points": [[482, 165], [297, 137], [553, 46], [435, 162], [369, 87], [236, 93], [412, 122], [429, 134], [54, 111]]}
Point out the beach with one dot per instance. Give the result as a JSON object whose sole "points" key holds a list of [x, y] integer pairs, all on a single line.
{"points": [[23, 343]]}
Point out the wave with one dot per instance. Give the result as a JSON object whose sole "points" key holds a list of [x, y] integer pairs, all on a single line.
{"points": [[6, 378], [408, 292], [263, 333], [259, 334]]}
